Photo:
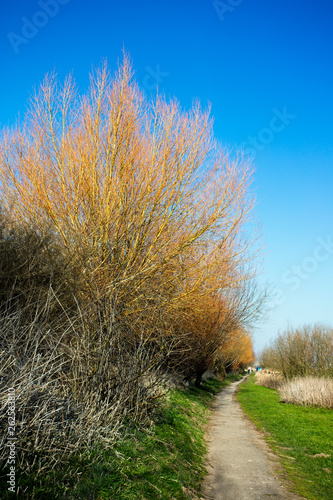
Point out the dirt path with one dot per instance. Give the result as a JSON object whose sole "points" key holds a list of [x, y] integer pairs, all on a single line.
{"points": [[240, 465]]}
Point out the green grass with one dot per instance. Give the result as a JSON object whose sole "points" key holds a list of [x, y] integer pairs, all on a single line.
{"points": [[295, 433], [163, 462]]}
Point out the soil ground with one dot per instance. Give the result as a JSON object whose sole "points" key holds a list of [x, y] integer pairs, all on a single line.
{"points": [[240, 463]]}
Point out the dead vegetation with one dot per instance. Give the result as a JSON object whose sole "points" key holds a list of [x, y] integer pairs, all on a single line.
{"points": [[72, 387], [299, 363], [267, 378], [308, 391]]}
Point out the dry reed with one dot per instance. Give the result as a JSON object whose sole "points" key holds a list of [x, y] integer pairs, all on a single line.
{"points": [[270, 379], [308, 391]]}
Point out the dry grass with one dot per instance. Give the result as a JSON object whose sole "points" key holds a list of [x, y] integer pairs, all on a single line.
{"points": [[270, 379], [308, 391]]}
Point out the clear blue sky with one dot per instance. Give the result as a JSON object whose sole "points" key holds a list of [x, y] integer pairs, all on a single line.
{"points": [[265, 66]]}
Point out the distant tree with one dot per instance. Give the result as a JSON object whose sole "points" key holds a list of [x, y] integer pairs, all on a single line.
{"points": [[301, 352]]}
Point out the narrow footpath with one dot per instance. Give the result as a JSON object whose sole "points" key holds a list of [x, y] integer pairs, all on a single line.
{"points": [[240, 464]]}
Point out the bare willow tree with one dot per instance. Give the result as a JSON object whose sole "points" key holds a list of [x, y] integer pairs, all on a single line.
{"points": [[123, 260], [144, 206], [216, 328]]}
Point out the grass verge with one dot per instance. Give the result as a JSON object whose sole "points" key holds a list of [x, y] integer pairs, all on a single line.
{"points": [[301, 436], [163, 462]]}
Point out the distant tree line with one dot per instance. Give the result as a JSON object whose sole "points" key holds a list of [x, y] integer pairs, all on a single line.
{"points": [[301, 352]]}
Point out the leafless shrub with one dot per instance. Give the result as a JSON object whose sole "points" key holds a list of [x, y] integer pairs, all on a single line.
{"points": [[74, 383], [270, 379], [306, 351], [308, 391]]}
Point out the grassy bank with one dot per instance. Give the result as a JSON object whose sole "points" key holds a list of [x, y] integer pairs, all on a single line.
{"points": [[301, 436], [166, 461]]}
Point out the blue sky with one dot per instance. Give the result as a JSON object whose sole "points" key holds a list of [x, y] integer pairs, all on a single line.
{"points": [[265, 67]]}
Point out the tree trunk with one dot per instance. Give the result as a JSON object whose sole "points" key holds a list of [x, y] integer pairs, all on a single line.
{"points": [[198, 377]]}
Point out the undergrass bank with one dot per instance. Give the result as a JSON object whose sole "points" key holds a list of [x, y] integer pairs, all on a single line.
{"points": [[301, 436], [163, 462]]}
